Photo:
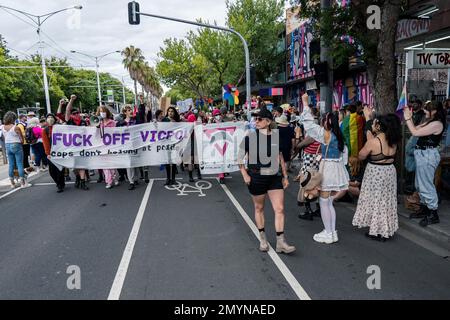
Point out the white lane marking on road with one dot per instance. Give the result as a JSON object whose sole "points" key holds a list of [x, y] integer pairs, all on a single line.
{"points": [[10, 192], [116, 288], [295, 285]]}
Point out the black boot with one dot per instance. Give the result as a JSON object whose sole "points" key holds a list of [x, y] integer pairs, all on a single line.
{"points": [[77, 182], [308, 215], [191, 178], [422, 213], [316, 213], [83, 185], [199, 174], [146, 179], [432, 218]]}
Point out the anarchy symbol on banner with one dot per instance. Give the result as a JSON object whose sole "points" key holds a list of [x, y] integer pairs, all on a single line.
{"points": [[184, 189]]}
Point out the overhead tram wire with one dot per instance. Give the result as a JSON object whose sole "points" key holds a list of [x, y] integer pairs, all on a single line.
{"points": [[66, 54]]}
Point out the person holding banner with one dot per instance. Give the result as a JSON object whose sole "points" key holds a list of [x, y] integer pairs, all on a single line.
{"points": [[72, 118], [427, 157], [171, 169], [262, 178], [107, 122], [56, 174], [127, 120]]}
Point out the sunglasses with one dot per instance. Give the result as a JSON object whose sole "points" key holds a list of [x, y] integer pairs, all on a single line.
{"points": [[259, 119]]}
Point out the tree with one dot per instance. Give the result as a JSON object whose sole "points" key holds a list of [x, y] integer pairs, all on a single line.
{"points": [[132, 61], [377, 46], [219, 49], [260, 22], [181, 65]]}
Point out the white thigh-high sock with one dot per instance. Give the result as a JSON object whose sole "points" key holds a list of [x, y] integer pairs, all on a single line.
{"points": [[332, 214], [326, 214]]}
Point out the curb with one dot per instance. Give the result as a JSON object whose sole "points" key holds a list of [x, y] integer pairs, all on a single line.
{"points": [[434, 233], [30, 179]]}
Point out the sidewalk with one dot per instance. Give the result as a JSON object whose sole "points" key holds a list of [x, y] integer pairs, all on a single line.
{"points": [[438, 234], [4, 178]]}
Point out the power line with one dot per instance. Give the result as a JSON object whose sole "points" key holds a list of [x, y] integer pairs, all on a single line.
{"points": [[20, 18], [67, 53]]}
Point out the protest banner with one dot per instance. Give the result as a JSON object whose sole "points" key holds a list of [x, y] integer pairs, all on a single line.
{"points": [[149, 144], [218, 146]]}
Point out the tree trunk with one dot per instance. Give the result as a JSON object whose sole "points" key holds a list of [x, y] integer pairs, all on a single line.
{"points": [[382, 74]]}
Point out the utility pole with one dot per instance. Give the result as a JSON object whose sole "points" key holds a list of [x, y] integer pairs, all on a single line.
{"points": [[38, 21], [326, 89]]}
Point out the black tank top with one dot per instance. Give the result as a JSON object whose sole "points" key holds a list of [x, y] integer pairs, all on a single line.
{"points": [[431, 141]]}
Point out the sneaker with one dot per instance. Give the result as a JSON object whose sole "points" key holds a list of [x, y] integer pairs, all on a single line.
{"points": [[335, 236], [132, 186], [108, 186], [25, 184], [44, 169], [324, 237], [116, 183]]}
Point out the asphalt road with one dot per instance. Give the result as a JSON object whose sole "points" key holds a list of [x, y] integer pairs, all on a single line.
{"points": [[155, 243]]}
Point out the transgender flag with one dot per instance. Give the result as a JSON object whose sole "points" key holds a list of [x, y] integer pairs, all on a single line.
{"points": [[402, 103]]}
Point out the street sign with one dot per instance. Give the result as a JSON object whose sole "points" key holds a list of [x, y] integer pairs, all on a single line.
{"points": [[133, 13], [427, 59]]}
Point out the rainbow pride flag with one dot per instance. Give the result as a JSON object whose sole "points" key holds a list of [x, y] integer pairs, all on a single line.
{"points": [[402, 103]]}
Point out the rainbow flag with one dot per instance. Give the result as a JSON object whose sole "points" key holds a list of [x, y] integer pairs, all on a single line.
{"points": [[402, 103]]}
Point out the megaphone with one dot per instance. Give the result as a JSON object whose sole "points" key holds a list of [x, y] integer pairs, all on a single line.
{"points": [[95, 121]]}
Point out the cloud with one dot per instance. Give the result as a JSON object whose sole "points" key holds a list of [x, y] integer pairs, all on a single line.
{"points": [[102, 26]]}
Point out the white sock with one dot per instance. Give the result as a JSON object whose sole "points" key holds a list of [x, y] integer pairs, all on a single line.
{"points": [[332, 215], [326, 214]]}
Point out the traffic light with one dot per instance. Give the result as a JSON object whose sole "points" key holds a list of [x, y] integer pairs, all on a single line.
{"points": [[133, 13]]}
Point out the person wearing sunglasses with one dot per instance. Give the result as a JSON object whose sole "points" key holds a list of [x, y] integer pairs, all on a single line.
{"points": [[263, 178]]}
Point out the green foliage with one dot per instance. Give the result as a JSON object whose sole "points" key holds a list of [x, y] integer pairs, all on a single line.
{"points": [[208, 59]]}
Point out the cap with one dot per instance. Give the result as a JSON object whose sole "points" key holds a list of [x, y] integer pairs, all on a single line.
{"points": [[264, 113], [31, 114], [216, 112]]}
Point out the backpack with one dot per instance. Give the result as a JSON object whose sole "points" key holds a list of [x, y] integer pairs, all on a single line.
{"points": [[30, 137]]}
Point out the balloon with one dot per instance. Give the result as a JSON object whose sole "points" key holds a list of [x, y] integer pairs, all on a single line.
{"points": [[227, 96], [236, 93], [236, 100]]}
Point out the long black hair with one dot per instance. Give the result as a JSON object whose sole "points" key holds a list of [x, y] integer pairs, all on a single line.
{"points": [[390, 125], [176, 116], [331, 122]]}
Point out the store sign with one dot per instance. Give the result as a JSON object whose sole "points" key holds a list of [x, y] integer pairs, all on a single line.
{"points": [[431, 59], [110, 94], [409, 28]]}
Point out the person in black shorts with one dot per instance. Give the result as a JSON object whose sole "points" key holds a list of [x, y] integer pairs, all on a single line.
{"points": [[262, 178]]}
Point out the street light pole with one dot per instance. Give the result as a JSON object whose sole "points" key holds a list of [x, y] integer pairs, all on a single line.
{"points": [[38, 22], [244, 42], [97, 59], [99, 90]]}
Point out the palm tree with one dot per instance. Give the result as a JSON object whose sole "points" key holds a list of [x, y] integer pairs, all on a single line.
{"points": [[133, 60]]}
